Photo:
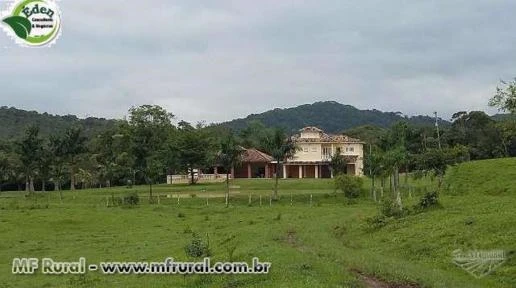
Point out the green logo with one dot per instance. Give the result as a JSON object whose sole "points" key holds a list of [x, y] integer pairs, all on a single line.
{"points": [[33, 22]]}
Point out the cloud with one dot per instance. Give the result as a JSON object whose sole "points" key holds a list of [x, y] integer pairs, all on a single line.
{"points": [[220, 60]]}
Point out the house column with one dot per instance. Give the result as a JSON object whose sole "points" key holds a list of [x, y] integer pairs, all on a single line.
{"points": [[267, 171], [249, 170], [316, 171], [300, 171], [232, 172], [284, 171]]}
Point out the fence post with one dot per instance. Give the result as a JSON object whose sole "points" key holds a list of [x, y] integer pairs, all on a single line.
{"points": [[250, 199], [159, 200], [270, 200], [291, 200], [311, 196], [177, 199], [260, 200]]}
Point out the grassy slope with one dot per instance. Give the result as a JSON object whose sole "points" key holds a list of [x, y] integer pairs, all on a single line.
{"points": [[308, 246]]}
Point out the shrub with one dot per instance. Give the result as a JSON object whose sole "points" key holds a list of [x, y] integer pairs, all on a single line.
{"points": [[197, 247], [131, 199], [350, 185], [390, 208], [429, 200], [187, 230], [377, 222]]}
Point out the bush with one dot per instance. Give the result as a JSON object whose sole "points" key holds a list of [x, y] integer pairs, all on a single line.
{"points": [[390, 208], [377, 222], [429, 200], [197, 247], [350, 185], [131, 199]]}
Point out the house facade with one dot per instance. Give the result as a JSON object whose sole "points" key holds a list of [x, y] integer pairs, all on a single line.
{"points": [[316, 149]]}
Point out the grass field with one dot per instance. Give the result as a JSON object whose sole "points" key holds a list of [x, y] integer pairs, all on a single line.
{"points": [[323, 242]]}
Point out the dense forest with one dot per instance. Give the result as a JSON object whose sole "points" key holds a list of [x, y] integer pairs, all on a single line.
{"points": [[15, 121], [40, 151], [330, 116]]}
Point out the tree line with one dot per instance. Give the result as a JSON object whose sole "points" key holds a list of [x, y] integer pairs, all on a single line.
{"points": [[140, 150], [149, 144]]}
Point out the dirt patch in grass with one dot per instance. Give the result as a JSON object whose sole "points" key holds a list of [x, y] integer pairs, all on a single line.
{"points": [[375, 282]]}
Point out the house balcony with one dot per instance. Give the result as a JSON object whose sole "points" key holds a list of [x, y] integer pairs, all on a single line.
{"points": [[326, 157]]}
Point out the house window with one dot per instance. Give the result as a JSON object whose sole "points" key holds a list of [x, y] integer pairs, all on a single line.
{"points": [[350, 149], [305, 149], [314, 149]]}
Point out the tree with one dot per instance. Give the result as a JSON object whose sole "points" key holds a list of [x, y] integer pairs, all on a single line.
{"points": [[350, 185], [393, 160], [507, 129], [396, 155], [58, 161], [44, 165], [252, 135], [505, 100], [154, 169], [5, 169], [112, 155], [73, 145], [230, 156], [149, 128], [338, 163], [477, 131], [505, 97], [280, 147], [194, 149], [374, 162], [436, 161], [29, 149]]}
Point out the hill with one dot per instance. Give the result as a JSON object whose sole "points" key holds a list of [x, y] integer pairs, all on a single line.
{"points": [[503, 117], [330, 116], [14, 121]]}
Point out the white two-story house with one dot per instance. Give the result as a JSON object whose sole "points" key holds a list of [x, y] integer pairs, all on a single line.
{"points": [[316, 148]]}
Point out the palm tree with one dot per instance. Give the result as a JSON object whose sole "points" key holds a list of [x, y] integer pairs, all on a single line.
{"points": [[280, 147], [375, 163], [29, 149], [74, 146], [230, 156], [393, 160], [57, 152]]}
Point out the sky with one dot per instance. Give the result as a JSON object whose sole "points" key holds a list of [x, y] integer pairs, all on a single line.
{"points": [[220, 60]]}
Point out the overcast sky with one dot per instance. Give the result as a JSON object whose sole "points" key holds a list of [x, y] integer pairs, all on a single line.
{"points": [[219, 60]]}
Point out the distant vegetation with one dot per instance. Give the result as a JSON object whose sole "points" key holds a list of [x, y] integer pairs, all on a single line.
{"points": [[330, 116], [15, 121]]}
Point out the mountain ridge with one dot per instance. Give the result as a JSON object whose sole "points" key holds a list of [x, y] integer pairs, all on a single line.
{"points": [[342, 117], [316, 114]]}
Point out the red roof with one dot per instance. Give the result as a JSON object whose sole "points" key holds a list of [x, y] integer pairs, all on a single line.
{"points": [[255, 156]]}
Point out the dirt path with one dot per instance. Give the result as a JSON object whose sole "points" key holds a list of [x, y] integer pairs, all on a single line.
{"points": [[374, 282]]}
